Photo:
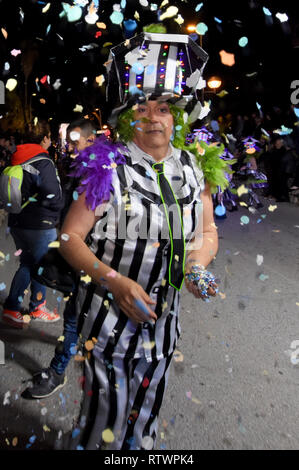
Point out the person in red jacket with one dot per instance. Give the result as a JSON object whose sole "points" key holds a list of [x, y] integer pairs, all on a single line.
{"points": [[34, 228]]}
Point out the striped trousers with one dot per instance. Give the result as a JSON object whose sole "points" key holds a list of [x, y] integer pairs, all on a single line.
{"points": [[122, 400]]}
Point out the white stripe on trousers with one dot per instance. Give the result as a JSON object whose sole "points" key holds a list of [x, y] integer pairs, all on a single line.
{"points": [[130, 409]]}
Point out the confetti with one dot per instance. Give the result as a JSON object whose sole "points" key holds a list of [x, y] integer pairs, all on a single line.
{"points": [[65, 237], [54, 244], [178, 356], [147, 443], [227, 58], [242, 190], [18, 252], [87, 279], [11, 84], [263, 277], [272, 208], [259, 260], [108, 436], [244, 219]]}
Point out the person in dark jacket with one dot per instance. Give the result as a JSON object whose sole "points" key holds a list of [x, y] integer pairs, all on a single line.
{"points": [[80, 134], [34, 228]]}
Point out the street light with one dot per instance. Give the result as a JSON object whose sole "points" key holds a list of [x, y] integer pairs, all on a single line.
{"points": [[214, 83]]}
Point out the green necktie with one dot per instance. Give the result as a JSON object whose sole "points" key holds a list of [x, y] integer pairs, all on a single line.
{"points": [[175, 225]]}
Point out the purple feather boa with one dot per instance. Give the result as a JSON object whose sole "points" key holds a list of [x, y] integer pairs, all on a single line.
{"points": [[93, 167]]}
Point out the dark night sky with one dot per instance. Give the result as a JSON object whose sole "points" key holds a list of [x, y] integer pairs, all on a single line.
{"points": [[271, 51]]}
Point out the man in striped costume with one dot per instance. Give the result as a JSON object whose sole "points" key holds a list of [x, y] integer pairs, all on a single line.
{"points": [[154, 227]]}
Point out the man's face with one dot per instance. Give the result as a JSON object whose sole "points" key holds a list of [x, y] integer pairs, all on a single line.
{"points": [[278, 144], [80, 142], [154, 125]]}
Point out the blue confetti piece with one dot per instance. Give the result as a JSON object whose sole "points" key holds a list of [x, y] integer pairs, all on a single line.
{"points": [[138, 68], [92, 156], [111, 155], [2, 286], [75, 195], [75, 433], [79, 448], [59, 299], [150, 69], [7, 257], [20, 299], [40, 270], [110, 296], [73, 350], [32, 439], [178, 128], [198, 7]]}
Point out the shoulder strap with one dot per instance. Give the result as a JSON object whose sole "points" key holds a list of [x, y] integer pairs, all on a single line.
{"points": [[31, 169]]}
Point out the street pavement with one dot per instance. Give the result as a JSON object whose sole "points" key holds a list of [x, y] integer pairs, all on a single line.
{"points": [[234, 379]]}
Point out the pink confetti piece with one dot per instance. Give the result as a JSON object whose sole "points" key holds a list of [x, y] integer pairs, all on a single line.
{"points": [[112, 274], [18, 252]]}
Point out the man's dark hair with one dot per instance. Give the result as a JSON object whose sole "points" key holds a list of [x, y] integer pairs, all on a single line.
{"points": [[87, 127], [36, 132]]}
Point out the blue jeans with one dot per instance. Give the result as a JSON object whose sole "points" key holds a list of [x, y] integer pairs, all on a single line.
{"points": [[34, 245], [64, 351]]}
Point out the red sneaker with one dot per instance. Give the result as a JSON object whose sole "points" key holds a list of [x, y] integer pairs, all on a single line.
{"points": [[41, 313], [14, 318]]}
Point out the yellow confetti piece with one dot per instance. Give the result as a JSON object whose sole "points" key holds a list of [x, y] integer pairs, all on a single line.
{"points": [[164, 306], [26, 318], [39, 296], [55, 244], [61, 338], [176, 257], [276, 231], [272, 208], [2, 254], [14, 441], [108, 436], [101, 25], [223, 296], [89, 345], [66, 298], [128, 207], [106, 303], [297, 303], [163, 283], [86, 279], [7, 441], [45, 428], [228, 272], [178, 356], [243, 204], [196, 401], [149, 345], [242, 190], [100, 79], [113, 165]]}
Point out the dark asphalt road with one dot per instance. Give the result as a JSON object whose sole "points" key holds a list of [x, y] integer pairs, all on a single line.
{"points": [[234, 381]]}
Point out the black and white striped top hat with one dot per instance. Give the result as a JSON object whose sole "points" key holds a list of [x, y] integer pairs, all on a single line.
{"points": [[155, 66]]}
